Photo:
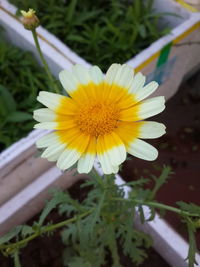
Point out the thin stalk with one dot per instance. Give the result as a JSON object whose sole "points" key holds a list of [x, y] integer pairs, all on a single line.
{"points": [[45, 229], [16, 259], [159, 206], [46, 67]]}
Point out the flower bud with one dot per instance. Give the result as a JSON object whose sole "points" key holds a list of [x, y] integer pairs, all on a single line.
{"points": [[30, 20]]}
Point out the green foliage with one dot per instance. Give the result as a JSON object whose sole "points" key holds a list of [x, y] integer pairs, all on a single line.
{"points": [[20, 81], [101, 227], [192, 225], [165, 175], [190, 207], [101, 31], [10, 235], [192, 243], [109, 222]]}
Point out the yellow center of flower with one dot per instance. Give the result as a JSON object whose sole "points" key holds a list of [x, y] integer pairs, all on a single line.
{"points": [[97, 118]]}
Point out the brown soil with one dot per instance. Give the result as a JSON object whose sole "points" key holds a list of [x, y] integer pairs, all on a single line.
{"points": [[179, 148]]}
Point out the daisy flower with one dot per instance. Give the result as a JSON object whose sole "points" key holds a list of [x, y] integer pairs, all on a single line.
{"points": [[102, 116]]}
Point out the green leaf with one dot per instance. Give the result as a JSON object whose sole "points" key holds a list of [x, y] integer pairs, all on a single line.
{"points": [[141, 212], [58, 198], [13, 233], [19, 116], [166, 172], [192, 243], [190, 207], [7, 102], [71, 10], [142, 31], [27, 230]]}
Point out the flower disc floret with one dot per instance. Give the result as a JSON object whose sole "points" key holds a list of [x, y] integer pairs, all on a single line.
{"points": [[97, 118]]}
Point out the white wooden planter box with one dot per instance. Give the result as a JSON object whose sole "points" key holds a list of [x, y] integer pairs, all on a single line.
{"points": [[19, 162], [193, 3]]}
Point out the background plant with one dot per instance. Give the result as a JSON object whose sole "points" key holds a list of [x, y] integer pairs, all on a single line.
{"points": [[101, 31], [20, 81]]}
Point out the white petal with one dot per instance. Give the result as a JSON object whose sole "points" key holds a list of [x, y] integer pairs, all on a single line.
{"points": [[96, 74], [121, 75], [55, 156], [117, 153], [125, 78], [71, 153], [106, 164], [44, 115], [69, 81], [152, 129], [142, 150], [82, 74], [50, 100], [146, 91], [104, 159], [111, 73], [68, 158], [151, 107], [54, 149], [86, 163], [138, 82], [46, 125], [47, 140]]}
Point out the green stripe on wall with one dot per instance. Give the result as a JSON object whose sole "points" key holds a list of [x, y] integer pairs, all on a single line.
{"points": [[164, 53]]}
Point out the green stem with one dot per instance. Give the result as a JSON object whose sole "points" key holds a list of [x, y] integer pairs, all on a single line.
{"points": [[113, 248], [159, 206], [46, 67], [16, 259], [45, 229]]}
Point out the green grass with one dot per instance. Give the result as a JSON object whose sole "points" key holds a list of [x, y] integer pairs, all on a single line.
{"points": [[100, 31], [20, 81]]}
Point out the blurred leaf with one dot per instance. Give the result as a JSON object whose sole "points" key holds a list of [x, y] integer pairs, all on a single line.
{"points": [[19, 116], [7, 102], [13, 233], [190, 207]]}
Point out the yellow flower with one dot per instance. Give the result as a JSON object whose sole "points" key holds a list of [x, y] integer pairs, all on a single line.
{"points": [[28, 14], [102, 117]]}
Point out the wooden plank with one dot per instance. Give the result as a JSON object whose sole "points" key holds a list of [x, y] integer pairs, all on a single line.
{"points": [[23, 174]]}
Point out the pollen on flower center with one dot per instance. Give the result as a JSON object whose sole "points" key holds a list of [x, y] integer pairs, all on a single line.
{"points": [[97, 118]]}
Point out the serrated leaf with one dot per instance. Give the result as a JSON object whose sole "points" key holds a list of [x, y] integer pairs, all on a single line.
{"points": [[58, 198], [190, 207], [13, 233], [27, 230], [166, 172], [192, 244], [69, 234], [78, 261]]}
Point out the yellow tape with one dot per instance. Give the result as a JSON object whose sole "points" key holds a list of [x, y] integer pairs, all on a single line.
{"points": [[187, 6]]}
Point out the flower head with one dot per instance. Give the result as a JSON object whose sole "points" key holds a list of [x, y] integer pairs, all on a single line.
{"points": [[30, 20], [102, 117]]}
